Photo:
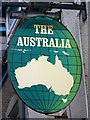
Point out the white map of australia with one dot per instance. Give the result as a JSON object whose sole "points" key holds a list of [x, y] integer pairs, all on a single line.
{"points": [[43, 72]]}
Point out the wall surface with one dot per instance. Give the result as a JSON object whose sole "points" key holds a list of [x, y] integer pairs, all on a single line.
{"points": [[89, 58], [7, 94], [78, 108]]}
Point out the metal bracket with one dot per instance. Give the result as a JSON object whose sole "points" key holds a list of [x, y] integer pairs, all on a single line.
{"points": [[83, 12], [70, 6], [44, 8]]}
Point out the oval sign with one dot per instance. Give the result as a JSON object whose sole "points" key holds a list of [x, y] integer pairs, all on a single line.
{"points": [[44, 64]]}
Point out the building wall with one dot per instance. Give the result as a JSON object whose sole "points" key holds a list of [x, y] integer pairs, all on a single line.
{"points": [[7, 94], [79, 108], [2, 49], [88, 59]]}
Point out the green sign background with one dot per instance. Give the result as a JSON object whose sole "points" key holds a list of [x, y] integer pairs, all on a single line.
{"points": [[39, 97]]}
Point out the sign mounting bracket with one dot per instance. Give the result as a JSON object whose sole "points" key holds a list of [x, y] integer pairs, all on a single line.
{"points": [[47, 6]]}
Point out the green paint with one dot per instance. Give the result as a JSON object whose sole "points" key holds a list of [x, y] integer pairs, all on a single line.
{"points": [[39, 97]]}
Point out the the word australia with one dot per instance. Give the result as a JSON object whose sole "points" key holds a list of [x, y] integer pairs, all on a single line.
{"points": [[43, 41]]}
